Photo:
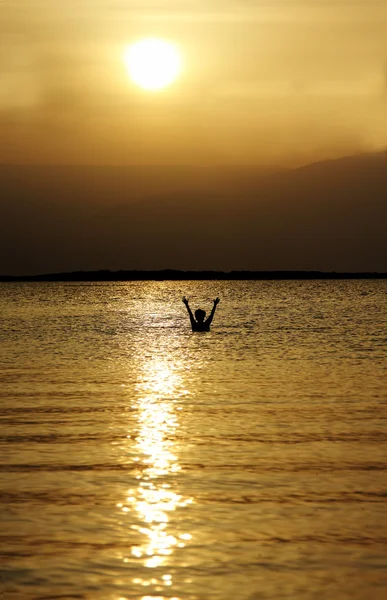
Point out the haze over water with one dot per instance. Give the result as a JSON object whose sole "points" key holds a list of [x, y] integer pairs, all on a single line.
{"points": [[142, 461]]}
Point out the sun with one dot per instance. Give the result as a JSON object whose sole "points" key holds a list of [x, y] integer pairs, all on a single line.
{"points": [[153, 63]]}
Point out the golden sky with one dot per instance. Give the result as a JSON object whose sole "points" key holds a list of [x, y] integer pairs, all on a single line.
{"points": [[264, 82]]}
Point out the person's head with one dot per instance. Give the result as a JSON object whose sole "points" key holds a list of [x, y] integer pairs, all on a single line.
{"points": [[200, 315]]}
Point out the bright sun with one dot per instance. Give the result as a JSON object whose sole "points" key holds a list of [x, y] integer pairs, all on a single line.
{"points": [[153, 63]]}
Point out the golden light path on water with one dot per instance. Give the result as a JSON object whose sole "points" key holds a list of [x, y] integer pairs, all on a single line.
{"points": [[153, 500]]}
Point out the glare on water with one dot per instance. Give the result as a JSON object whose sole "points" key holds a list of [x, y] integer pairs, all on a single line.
{"points": [[152, 500], [141, 461]]}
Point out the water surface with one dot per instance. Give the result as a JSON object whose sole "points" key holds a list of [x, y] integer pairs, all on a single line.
{"points": [[140, 460]]}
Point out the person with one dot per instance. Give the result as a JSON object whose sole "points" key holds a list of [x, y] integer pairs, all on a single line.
{"points": [[198, 323]]}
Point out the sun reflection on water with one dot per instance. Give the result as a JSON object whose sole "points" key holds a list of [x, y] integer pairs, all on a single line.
{"points": [[153, 500]]}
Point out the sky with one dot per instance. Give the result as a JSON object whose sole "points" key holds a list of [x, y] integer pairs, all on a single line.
{"points": [[98, 173], [265, 82]]}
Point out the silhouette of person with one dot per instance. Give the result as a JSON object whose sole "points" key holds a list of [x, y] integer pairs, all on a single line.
{"points": [[198, 323]]}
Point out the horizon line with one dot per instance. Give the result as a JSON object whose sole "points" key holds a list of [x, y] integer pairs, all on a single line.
{"points": [[179, 274]]}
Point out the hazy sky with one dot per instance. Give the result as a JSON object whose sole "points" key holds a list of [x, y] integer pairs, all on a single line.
{"points": [[264, 81]]}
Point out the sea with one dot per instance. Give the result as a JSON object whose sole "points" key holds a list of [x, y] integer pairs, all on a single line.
{"points": [[141, 461]]}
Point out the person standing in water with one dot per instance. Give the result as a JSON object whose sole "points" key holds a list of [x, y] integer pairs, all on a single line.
{"points": [[197, 322]]}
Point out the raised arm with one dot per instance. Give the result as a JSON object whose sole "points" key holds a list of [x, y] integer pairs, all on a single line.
{"points": [[191, 317], [209, 320]]}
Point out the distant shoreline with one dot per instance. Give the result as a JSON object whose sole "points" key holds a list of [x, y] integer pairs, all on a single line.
{"points": [[175, 275]]}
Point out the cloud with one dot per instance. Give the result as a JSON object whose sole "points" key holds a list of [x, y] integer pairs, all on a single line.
{"points": [[264, 81]]}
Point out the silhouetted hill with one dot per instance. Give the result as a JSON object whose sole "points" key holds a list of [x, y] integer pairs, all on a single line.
{"points": [[328, 216]]}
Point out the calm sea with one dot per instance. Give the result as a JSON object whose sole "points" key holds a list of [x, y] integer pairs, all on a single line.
{"points": [[142, 461]]}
